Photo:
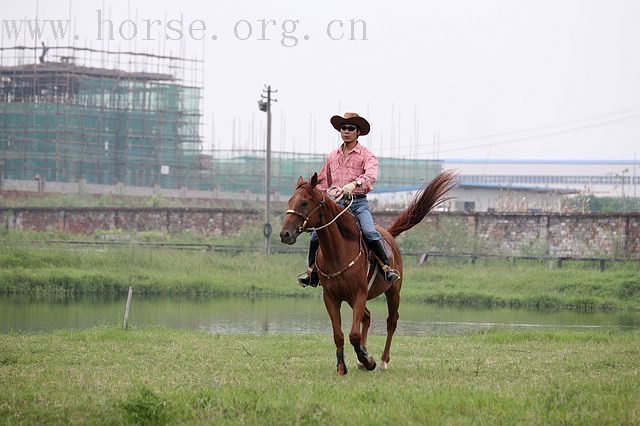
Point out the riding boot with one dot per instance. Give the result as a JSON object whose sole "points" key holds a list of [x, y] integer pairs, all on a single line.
{"points": [[390, 274], [310, 276]]}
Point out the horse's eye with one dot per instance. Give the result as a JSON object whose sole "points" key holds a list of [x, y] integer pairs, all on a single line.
{"points": [[305, 203]]}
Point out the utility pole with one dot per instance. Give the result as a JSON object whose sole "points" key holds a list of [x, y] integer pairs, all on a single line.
{"points": [[635, 176], [622, 189], [264, 104]]}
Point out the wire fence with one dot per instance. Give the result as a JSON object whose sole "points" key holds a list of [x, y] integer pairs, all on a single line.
{"points": [[423, 258]]}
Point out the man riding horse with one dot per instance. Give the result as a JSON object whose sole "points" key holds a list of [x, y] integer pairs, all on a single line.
{"points": [[353, 169]]}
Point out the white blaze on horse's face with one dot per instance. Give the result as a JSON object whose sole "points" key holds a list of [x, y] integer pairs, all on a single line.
{"points": [[297, 217]]}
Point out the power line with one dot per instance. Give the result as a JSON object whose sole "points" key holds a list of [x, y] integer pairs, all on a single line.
{"points": [[534, 136], [514, 140], [634, 111]]}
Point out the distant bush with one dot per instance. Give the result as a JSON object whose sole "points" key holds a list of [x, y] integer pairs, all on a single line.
{"points": [[593, 204]]}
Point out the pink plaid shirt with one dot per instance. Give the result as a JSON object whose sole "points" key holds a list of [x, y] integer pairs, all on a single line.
{"points": [[338, 170]]}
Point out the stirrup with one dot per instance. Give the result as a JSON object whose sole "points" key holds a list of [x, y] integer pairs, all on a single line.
{"points": [[390, 275], [308, 278]]}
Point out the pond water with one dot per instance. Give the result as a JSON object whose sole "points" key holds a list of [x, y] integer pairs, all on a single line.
{"points": [[281, 316]]}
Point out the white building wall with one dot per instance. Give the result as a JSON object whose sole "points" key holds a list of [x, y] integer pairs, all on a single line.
{"points": [[482, 200], [607, 174]]}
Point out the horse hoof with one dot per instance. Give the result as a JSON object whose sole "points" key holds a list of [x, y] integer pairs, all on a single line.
{"points": [[384, 365], [341, 370], [360, 365], [372, 364]]}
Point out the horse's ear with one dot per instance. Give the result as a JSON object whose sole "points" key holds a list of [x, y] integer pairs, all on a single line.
{"points": [[314, 180], [300, 181]]}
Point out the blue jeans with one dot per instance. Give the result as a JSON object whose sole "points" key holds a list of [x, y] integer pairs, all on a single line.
{"points": [[360, 208]]}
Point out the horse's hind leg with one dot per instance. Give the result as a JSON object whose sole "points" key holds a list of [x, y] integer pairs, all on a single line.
{"points": [[333, 308], [393, 303]]}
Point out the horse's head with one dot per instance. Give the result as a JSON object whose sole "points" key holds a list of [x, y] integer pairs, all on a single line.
{"points": [[305, 210]]}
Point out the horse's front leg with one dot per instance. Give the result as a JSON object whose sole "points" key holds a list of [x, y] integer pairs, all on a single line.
{"points": [[333, 308], [355, 336], [366, 322]]}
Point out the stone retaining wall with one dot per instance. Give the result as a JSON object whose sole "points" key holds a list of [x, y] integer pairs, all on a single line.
{"points": [[563, 234], [579, 235], [90, 220]]}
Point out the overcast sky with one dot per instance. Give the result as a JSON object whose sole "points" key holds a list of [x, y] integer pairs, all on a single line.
{"points": [[501, 79]]}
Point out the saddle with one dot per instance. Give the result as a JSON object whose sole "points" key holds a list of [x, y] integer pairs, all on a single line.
{"points": [[375, 265]]}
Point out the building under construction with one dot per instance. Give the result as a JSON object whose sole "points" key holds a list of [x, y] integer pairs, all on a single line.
{"points": [[104, 117]]}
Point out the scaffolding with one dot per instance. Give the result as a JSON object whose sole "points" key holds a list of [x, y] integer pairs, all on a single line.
{"points": [[72, 114], [104, 117]]}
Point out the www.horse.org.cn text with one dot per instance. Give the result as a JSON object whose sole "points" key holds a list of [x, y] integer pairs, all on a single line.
{"points": [[286, 32]]}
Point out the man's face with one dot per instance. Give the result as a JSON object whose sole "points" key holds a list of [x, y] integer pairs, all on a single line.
{"points": [[349, 133]]}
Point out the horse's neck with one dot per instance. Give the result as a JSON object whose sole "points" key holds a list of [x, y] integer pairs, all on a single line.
{"points": [[334, 245]]}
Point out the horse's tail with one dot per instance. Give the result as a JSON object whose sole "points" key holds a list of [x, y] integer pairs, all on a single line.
{"points": [[425, 200]]}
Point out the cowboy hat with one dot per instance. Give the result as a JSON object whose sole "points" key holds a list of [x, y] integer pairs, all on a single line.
{"points": [[351, 118]]}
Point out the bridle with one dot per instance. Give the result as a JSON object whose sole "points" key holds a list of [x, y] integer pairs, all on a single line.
{"points": [[321, 204], [303, 227]]}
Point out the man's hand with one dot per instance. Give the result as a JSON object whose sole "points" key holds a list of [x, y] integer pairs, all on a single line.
{"points": [[349, 188]]}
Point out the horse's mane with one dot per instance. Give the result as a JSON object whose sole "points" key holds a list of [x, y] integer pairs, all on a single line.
{"points": [[347, 223]]}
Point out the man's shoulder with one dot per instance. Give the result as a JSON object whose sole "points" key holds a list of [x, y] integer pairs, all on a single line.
{"points": [[364, 150], [334, 152]]}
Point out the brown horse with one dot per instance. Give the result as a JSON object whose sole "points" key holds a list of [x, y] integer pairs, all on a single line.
{"points": [[346, 274]]}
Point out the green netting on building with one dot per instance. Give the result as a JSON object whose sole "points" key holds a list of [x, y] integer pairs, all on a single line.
{"points": [[65, 125]]}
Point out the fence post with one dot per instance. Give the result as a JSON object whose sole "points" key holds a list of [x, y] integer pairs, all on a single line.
{"points": [[602, 264], [126, 309], [423, 259]]}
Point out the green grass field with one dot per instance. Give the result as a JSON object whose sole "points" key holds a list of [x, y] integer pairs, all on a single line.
{"points": [[164, 376]]}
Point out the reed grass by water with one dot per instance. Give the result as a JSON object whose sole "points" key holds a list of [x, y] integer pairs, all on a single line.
{"points": [[44, 269]]}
